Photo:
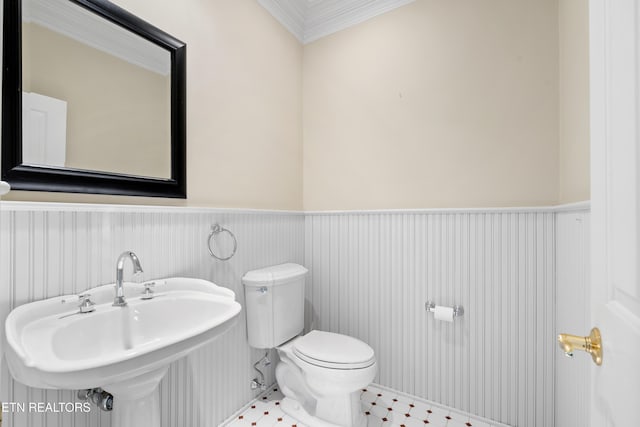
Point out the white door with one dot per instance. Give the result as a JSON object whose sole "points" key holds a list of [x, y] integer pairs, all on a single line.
{"points": [[44, 130], [615, 205]]}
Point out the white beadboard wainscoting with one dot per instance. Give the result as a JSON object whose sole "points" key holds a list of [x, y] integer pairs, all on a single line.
{"points": [[371, 274], [573, 375], [55, 249]]}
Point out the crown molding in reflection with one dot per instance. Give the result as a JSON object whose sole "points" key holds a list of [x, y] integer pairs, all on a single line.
{"points": [[309, 20], [77, 23]]}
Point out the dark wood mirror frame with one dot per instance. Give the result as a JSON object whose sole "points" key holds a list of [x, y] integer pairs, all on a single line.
{"points": [[37, 178]]}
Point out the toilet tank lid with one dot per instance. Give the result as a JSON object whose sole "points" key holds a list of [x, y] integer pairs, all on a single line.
{"points": [[274, 275]]}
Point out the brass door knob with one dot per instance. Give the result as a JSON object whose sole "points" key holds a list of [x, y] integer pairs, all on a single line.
{"points": [[592, 344]]}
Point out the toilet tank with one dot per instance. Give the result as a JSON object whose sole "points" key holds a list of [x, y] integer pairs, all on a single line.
{"points": [[274, 299]]}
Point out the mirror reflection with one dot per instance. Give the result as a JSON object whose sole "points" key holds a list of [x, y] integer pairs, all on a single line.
{"points": [[95, 96]]}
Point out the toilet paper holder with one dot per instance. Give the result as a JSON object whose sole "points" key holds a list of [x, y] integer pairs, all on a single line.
{"points": [[430, 306]]}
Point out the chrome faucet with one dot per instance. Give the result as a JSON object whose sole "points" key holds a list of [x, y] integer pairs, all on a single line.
{"points": [[119, 300]]}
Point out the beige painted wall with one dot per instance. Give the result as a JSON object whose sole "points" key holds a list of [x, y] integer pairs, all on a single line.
{"points": [[128, 131], [573, 18], [436, 104], [243, 106]]}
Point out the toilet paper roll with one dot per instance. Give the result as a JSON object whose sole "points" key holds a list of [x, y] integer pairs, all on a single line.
{"points": [[443, 313]]}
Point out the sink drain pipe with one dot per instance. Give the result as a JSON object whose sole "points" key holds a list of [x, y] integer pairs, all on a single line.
{"points": [[98, 397]]}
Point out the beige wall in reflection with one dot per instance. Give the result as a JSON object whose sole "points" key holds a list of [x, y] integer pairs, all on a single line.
{"points": [[118, 117]]}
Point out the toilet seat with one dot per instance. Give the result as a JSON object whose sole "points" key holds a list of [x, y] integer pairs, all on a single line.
{"points": [[334, 351]]}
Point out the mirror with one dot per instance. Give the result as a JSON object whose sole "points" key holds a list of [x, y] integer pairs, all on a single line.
{"points": [[93, 101]]}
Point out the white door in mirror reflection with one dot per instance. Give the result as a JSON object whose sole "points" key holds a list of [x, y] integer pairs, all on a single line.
{"points": [[44, 130]]}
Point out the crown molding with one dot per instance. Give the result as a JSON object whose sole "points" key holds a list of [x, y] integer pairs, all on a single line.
{"points": [[310, 20], [290, 13], [326, 17]]}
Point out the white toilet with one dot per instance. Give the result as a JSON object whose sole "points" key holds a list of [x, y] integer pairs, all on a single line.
{"points": [[320, 373]]}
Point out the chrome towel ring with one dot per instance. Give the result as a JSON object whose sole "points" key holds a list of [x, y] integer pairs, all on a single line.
{"points": [[217, 229]]}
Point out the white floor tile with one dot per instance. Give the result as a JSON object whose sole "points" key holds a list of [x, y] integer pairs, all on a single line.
{"points": [[385, 408], [404, 399], [368, 396], [378, 411], [414, 422], [397, 417], [402, 407], [436, 414], [287, 421], [366, 405], [385, 399], [420, 409], [254, 414], [270, 420], [239, 423], [374, 422]]}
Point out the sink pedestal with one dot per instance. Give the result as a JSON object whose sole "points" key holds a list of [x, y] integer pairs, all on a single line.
{"points": [[136, 402]]}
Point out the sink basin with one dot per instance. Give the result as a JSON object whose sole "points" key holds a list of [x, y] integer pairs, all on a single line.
{"points": [[124, 350]]}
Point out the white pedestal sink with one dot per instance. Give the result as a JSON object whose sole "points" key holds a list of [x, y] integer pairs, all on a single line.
{"points": [[124, 350]]}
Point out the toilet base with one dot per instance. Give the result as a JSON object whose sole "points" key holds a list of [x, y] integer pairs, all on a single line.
{"points": [[292, 408]]}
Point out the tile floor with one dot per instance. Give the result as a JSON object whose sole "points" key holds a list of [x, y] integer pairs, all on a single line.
{"points": [[383, 408]]}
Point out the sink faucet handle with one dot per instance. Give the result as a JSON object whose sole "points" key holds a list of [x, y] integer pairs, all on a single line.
{"points": [[84, 297], [148, 292], [154, 283], [86, 305]]}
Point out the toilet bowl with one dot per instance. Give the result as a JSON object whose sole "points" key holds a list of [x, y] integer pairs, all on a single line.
{"points": [[320, 373]]}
